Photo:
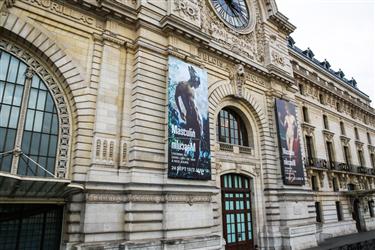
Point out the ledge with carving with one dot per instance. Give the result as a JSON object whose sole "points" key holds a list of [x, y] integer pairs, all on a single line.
{"points": [[371, 148], [328, 134], [344, 139], [307, 128]]}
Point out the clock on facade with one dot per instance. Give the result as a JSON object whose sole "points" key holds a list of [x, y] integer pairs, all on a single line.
{"points": [[235, 13]]}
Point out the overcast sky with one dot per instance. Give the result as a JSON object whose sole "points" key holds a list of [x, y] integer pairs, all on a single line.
{"points": [[341, 31]]}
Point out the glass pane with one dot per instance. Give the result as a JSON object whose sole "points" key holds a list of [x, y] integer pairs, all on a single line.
{"points": [[29, 120], [12, 71], [54, 125], [22, 165], [35, 82], [32, 98], [44, 145], [13, 122], [11, 137], [2, 86], [35, 143], [8, 95], [52, 146], [41, 99], [26, 140], [4, 63], [47, 122], [4, 115], [18, 95], [2, 139], [38, 121], [21, 73], [49, 104]]}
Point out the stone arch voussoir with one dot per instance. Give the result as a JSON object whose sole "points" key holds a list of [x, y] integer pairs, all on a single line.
{"points": [[224, 89]]}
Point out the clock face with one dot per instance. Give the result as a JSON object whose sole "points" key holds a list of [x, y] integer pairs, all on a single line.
{"points": [[234, 12]]}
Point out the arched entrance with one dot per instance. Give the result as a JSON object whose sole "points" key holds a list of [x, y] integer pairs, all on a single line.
{"points": [[236, 212]]}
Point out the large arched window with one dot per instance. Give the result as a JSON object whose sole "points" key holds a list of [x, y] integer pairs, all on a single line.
{"points": [[231, 128], [28, 120]]}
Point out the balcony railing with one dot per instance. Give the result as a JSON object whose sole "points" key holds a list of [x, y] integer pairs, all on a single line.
{"points": [[338, 166], [236, 148]]}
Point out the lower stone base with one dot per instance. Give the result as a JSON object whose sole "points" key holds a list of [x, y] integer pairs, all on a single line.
{"points": [[214, 242]]}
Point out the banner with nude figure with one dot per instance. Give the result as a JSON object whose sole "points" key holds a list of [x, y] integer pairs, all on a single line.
{"points": [[189, 154], [290, 149]]}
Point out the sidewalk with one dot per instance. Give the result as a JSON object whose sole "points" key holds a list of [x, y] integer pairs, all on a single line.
{"points": [[336, 242]]}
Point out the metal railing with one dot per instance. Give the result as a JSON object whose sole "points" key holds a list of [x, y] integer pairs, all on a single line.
{"points": [[338, 166]]}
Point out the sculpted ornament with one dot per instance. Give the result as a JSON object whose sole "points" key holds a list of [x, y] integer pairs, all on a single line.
{"points": [[249, 45], [237, 78], [188, 10]]}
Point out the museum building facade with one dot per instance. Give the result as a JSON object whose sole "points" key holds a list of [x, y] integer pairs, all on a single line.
{"points": [[149, 124]]}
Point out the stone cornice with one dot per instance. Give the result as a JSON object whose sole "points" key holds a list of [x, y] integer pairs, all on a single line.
{"points": [[300, 75], [325, 73], [282, 22]]}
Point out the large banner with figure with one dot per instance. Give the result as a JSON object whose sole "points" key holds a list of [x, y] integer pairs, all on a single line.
{"points": [[290, 149], [189, 154]]}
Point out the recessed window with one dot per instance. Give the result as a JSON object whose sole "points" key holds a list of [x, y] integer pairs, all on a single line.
{"points": [[331, 157], [335, 184], [347, 156], [321, 98], [372, 158], [356, 133], [338, 106], [318, 212], [368, 138], [309, 147], [325, 122], [361, 159], [39, 131], [342, 128], [351, 187], [231, 128], [314, 183], [305, 114], [338, 211], [371, 208], [301, 89]]}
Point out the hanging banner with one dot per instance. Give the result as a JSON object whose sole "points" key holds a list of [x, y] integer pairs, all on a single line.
{"points": [[189, 154], [290, 149]]}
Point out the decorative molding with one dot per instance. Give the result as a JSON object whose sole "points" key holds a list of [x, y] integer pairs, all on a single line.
{"points": [[307, 128], [57, 93], [359, 144], [237, 79], [328, 135], [371, 148], [104, 150], [345, 140], [119, 198], [188, 10]]}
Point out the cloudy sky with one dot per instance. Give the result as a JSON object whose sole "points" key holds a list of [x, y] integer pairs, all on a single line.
{"points": [[341, 31]]}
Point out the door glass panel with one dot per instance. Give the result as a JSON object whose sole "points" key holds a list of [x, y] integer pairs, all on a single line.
{"points": [[237, 223]]}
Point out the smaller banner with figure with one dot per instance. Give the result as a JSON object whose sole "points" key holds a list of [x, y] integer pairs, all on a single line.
{"points": [[290, 149], [189, 154]]}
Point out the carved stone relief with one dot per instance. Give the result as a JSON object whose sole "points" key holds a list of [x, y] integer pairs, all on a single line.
{"points": [[188, 10], [251, 45], [119, 198]]}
